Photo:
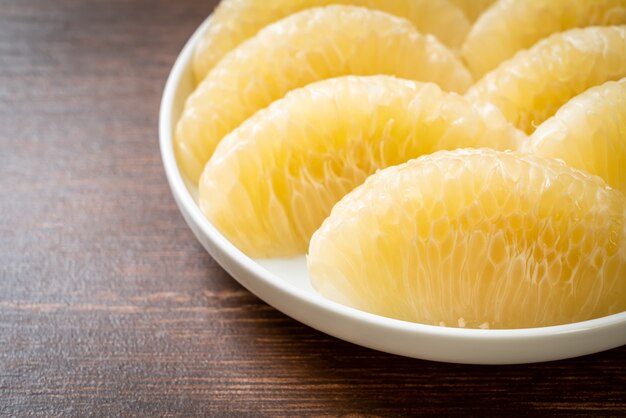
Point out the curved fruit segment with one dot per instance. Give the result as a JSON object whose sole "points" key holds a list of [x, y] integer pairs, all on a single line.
{"points": [[234, 21], [273, 180], [473, 9], [588, 132], [476, 238], [309, 46], [530, 87], [513, 25]]}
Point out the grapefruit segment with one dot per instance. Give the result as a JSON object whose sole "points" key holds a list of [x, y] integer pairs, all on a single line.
{"points": [[589, 133], [476, 238], [273, 180], [530, 87], [513, 25], [308, 46], [234, 21]]}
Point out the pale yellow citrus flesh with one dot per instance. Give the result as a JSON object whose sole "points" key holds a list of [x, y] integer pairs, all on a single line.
{"points": [[513, 25], [534, 84], [476, 238], [234, 21], [312, 45], [473, 9], [273, 180], [588, 132]]}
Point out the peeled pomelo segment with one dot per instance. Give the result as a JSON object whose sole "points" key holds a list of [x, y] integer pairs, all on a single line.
{"points": [[309, 46], [535, 83], [473, 9], [273, 180], [476, 238], [234, 21], [589, 133], [513, 25]]}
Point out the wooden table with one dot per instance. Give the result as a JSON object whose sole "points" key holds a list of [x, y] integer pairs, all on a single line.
{"points": [[109, 306]]}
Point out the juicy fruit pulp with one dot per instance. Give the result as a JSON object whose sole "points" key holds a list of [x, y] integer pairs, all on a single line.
{"points": [[476, 238], [530, 87], [473, 9], [513, 25], [312, 45], [273, 180], [588, 132], [234, 21], [468, 238]]}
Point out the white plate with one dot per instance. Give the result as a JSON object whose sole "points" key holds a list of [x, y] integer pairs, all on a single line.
{"points": [[284, 284]]}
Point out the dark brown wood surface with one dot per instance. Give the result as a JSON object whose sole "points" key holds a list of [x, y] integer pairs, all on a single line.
{"points": [[109, 306]]}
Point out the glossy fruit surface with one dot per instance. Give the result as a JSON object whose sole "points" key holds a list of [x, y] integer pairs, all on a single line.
{"points": [[312, 45], [513, 25], [272, 181], [535, 83], [588, 132], [473, 8], [476, 238], [235, 21]]}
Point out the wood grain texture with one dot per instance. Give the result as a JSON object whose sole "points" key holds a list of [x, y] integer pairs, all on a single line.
{"points": [[109, 306]]}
